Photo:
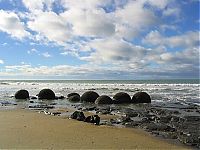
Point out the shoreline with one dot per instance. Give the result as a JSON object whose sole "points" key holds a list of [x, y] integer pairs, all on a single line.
{"points": [[21, 128]]}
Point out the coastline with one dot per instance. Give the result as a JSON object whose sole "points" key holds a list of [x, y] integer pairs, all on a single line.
{"points": [[25, 129]]}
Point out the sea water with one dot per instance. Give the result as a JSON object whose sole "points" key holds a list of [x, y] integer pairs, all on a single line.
{"points": [[169, 93]]}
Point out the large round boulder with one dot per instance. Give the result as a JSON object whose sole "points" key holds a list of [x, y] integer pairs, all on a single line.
{"points": [[74, 98], [104, 99], [46, 94], [89, 96], [121, 97], [141, 97], [72, 94], [22, 94]]}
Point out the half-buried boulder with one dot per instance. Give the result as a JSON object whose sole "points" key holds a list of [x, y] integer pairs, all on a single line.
{"points": [[22, 94], [72, 94], [141, 97], [121, 98], [104, 99], [74, 98], [89, 96], [46, 94]]}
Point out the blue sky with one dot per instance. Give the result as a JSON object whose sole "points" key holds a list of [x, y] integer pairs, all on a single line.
{"points": [[99, 39]]}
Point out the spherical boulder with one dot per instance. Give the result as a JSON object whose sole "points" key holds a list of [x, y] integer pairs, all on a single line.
{"points": [[141, 97], [22, 94], [104, 99], [89, 96], [74, 98], [72, 94], [46, 94], [121, 97]]}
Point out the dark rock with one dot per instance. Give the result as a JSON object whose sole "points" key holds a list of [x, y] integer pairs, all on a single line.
{"points": [[56, 113], [31, 101], [116, 121], [141, 97], [89, 96], [192, 118], [132, 124], [130, 112], [126, 119], [33, 97], [74, 98], [72, 94], [104, 112], [88, 119], [104, 99], [93, 119], [165, 119], [78, 115], [53, 104], [59, 97], [158, 127], [89, 108], [22, 94], [121, 97], [41, 107], [46, 94]]}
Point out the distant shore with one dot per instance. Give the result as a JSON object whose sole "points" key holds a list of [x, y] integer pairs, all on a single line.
{"points": [[24, 129]]}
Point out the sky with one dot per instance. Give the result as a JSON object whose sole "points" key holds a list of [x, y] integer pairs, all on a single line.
{"points": [[99, 39]]}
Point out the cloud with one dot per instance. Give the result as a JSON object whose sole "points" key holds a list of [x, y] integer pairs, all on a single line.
{"points": [[33, 50], [51, 26], [46, 54], [188, 39], [1, 61], [11, 24], [116, 52], [38, 5], [94, 23], [172, 12], [161, 4], [130, 18]]}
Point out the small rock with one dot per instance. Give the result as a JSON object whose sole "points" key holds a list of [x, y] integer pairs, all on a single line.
{"points": [[78, 115]]}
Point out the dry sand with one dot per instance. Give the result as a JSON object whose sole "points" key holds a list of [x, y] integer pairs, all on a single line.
{"points": [[24, 129]]}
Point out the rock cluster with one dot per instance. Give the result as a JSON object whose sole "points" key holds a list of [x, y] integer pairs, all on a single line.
{"points": [[79, 115]]}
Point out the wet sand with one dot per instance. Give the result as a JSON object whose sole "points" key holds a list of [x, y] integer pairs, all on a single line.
{"points": [[25, 129]]}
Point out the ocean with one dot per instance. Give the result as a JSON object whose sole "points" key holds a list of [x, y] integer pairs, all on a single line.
{"points": [[171, 93]]}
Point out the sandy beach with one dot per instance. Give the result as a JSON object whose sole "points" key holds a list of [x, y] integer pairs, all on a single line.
{"points": [[24, 129]]}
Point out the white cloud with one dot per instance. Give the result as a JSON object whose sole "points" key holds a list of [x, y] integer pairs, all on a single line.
{"points": [[51, 26], [33, 50], [90, 22], [172, 12], [46, 54], [188, 39], [4, 44], [161, 4], [84, 4], [38, 5], [115, 51], [1, 61], [130, 18], [11, 24]]}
